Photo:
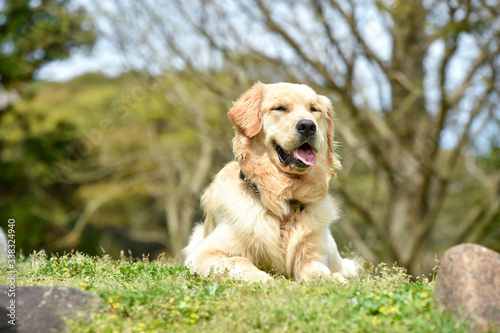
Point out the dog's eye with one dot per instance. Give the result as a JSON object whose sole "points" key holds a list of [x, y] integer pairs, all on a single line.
{"points": [[313, 109], [279, 108]]}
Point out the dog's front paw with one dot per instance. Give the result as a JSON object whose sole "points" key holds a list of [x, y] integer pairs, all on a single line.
{"points": [[259, 276], [339, 277]]}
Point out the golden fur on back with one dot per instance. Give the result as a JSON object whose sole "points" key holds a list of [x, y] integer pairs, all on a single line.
{"points": [[285, 152]]}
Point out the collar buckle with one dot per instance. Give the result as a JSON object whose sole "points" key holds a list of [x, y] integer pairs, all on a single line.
{"points": [[297, 206]]}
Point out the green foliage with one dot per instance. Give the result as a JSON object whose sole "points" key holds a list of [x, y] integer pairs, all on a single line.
{"points": [[33, 33], [39, 141], [66, 145], [140, 295]]}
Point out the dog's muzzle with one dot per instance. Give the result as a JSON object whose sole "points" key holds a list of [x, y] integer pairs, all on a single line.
{"points": [[304, 155]]}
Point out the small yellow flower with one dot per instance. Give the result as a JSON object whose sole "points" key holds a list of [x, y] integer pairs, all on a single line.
{"points": [[377, 298], [390, 294], [83, 284], [193, 315], [117, 271], [383, 309], [115, 305], [111, 299], [424, 294], [394, 308], [113, 316], [375, 320], [71, 321], [65, 269]]}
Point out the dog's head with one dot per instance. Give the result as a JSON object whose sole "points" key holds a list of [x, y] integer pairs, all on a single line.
{"points": [[291, 122]]}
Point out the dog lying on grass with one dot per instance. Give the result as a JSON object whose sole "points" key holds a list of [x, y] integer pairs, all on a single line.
{"points": [[269, 212]]}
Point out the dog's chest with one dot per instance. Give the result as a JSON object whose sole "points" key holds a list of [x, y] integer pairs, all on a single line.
{"points": [[274, 254], [287, 225]]}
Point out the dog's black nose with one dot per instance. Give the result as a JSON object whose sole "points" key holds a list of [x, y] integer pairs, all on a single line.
{"points": [[306, 127]]}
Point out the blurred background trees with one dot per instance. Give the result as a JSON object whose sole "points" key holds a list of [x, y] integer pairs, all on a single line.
{"points": [[119, 163], [33, 33]]}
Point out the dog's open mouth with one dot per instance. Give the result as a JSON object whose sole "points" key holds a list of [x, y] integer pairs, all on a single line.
{"points": [[302, 157]]}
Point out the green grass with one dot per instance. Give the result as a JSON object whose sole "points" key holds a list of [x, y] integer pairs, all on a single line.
{"points": [[159, 296]]}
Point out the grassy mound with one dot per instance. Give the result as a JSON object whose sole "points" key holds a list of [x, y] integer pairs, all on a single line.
{"points": [[159, 296]]}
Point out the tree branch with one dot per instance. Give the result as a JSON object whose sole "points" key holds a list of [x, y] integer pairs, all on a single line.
{"points": [[352, 24], [368, 217], [359, 243]]}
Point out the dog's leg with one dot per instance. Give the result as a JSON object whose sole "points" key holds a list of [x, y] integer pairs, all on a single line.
{"points": [[218, 262], [304, 260], [206, 254], [317, 268], [337, 264], [314, 256]]}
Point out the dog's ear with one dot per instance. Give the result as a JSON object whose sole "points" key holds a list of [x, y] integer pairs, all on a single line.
{"points": [[246, 113], [332, 155]]}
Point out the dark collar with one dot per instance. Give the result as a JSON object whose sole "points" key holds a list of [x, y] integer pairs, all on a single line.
{"points": [[296, 205], [253, 186]]}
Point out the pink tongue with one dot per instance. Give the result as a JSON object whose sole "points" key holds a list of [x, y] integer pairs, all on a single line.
{"points": [[306, 156]]}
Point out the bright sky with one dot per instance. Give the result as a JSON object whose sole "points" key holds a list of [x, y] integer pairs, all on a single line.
{"points": [[106, 58], [103, 58]]}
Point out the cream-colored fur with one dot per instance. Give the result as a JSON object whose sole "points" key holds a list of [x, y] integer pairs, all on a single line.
{"points": [[249, 235]]}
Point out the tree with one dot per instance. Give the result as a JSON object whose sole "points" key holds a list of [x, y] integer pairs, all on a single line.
{"points": [[138, 162], [32, 34], [415, 85]]}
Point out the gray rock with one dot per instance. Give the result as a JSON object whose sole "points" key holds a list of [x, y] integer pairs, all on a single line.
{"points": [[45, 309], [468, 284]]}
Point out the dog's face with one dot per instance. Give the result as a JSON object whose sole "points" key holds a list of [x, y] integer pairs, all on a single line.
{"points": [[292, 122]]}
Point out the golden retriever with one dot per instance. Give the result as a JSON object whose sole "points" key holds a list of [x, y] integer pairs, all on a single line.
{"points": [[269, 212]]}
